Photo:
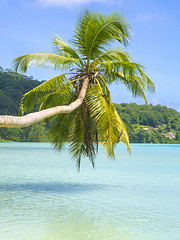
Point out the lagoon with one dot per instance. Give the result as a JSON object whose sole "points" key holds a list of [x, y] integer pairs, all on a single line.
{"points": [[135, 197]]}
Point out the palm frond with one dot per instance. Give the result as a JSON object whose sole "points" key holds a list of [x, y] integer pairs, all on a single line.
{"points": [[110, 55], [129, 73], [95, 31], [64, 49], [104, 86], [60, 129], [149, 83], [60, 125], [33, 97], [113, 67], [115, 55], [60, 97], [83, 135], [134, 84], [45, 60], [109, 124]]}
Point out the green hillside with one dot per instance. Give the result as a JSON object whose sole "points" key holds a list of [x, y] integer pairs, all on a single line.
{"points": [[146, 124], [150, 124], [12, 88]]}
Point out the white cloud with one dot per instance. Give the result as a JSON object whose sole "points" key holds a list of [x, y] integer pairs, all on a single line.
{"points": [[67, 3]]}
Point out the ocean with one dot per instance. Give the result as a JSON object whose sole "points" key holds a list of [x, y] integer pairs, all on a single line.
{"points": [[134, 197]]}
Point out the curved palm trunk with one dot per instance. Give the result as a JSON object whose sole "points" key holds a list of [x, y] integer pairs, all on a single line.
{"points": [[31, 118]]}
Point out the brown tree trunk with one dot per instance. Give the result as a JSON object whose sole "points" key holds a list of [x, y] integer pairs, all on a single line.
{"points": [[31, 118]]}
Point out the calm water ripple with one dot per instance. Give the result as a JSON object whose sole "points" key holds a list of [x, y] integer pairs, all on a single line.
{"points": [[43, 197]]}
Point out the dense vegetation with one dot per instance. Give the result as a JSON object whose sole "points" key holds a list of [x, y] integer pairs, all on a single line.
{"points": [[12, 87], [146, 124], [150, 124]]}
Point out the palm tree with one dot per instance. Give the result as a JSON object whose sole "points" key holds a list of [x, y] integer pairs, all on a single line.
{"points": [[81, 93]]}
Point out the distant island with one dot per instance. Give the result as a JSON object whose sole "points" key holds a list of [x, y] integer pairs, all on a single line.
{"points": [[146, 123]]}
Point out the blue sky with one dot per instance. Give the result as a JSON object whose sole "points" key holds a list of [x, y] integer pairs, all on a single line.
{"points": [[27, 26]]}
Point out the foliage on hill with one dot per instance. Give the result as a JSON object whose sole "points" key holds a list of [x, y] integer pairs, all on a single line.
{"points": [[12, 87], [147, 123], [156, 124]]}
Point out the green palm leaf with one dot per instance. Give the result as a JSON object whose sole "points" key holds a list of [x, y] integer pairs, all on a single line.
{"points": [[134, 84], [109, 125], [131, 74], [60, 129], [115, 55], [83, 135], [95, 31], [60, 125], [64, 49], [33, 97], [60, 97], [46, 60]]}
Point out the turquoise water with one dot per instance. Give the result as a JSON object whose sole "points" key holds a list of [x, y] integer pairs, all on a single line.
{"points": [[43, 197]]}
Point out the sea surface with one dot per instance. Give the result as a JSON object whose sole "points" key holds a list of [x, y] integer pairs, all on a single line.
{"points": [[135, 197]]}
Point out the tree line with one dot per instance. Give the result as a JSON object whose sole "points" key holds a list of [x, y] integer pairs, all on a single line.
{"points": [[12, 87], [146, 123], [150, 124]]}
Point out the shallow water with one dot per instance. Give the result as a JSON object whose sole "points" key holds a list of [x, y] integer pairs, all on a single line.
{"points": [[43, 197]]}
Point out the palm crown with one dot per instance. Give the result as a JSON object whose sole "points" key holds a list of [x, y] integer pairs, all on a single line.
{"points": [[96, 119]]}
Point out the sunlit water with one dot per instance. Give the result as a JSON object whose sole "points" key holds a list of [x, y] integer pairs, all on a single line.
{"points": [[43, 197]]}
